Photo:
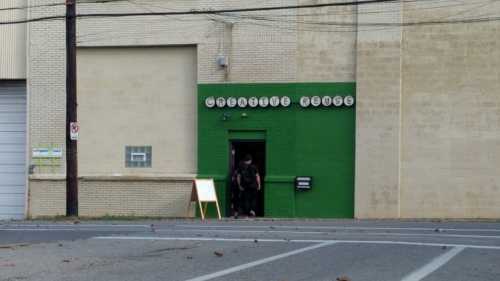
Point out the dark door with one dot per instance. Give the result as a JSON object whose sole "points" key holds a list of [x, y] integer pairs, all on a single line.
{"points": [[238, 150]]}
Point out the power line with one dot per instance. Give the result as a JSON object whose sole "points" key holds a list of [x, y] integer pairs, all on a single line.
{"points": [[384, 11], [204, 12], [224, 12], [239, 10], [25, 7], [374, 24], [31, 7]]}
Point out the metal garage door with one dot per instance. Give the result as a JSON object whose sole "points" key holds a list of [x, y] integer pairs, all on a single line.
{"points": [[12, 149]]}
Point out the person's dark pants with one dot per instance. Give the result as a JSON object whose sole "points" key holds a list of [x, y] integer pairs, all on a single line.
{"points": [[236, 200], [250, 200]]}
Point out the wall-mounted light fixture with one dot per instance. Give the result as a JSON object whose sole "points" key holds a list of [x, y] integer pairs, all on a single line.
{"points": [[226, 116]]}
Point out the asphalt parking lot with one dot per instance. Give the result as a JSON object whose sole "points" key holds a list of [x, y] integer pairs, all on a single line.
{"points": [[250, 250]]}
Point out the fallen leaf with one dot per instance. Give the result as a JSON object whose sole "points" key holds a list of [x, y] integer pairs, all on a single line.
{"points": [[219, 254], [343, 278]]}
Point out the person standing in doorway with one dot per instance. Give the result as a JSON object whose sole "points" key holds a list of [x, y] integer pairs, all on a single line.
{"points": [[248, 180], [236, 194]]}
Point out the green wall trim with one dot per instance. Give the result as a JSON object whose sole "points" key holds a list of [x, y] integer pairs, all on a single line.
{"points": [[272, 178], [215, 177], [317, 142], [247, 134]]}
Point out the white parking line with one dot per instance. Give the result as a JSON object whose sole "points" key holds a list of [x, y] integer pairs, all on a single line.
{"points": [[207, 239], [432, 235], [337, 233], [484, 247], [433, 265], [342, 228], [205, 230], [60, 229], [240, 231], [77, 225], [259, 262]]}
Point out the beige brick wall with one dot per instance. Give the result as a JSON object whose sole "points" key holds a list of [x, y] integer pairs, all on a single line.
{"points": [[428, 111], [258, 52], [47, 83], [326, 53], [47, 198], [451, 114], [427, 141], [12, 41], [150, 198], [147, 97], [46, 108], [378, 114]]}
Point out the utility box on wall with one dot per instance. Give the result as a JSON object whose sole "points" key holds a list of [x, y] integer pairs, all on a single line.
{"points": [[303, 183]]}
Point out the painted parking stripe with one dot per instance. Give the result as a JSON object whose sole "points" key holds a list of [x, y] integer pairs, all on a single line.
{"points": [[276, 227], [416, 235], [259, 262], [484, 247], [342, 228], [240, 231], [23, 226], [433, 265], [433, 235], [336, 233], [63, 229], [207, 239]]}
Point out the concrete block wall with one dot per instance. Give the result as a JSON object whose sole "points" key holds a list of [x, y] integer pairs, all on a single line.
{"points": [[46, 83], [47, 198], [326, 53], [258, 51], [12, 41], [132, 197], [427, 142], [378, 113], [428, 111], [450, 129]]}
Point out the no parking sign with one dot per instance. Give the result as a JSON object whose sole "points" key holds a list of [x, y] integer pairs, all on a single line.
{"points": [[74, 130]]}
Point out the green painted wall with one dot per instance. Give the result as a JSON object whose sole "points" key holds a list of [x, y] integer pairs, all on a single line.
{"points": [[317, 142]]}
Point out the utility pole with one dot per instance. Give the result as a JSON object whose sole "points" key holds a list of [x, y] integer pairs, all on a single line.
{"points": [[71, 117]]}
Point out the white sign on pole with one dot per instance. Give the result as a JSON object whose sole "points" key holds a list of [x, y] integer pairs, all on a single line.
{"points": [[74, 130]]}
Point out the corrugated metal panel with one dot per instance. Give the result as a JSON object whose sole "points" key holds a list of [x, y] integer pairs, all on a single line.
{"points": [[13, 41], [12, 149]]}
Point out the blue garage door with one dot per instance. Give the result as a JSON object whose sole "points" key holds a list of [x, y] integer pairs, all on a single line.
{"points": [[12, 149]]}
